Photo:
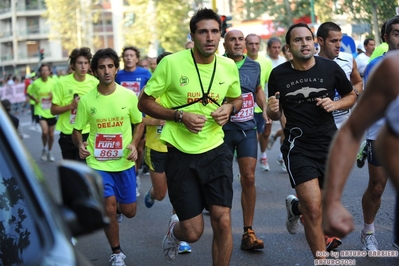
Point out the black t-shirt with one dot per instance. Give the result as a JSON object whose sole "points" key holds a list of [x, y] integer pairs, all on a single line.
{"points": [[298, 93]]}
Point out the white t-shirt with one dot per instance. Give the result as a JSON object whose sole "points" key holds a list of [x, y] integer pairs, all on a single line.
{"points": [[362, 61]]}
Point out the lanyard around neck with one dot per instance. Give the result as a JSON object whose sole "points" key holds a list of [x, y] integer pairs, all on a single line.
{"points": [[205, 96]]}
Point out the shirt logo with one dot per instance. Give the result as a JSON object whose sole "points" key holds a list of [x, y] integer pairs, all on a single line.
{"points": [[184, 81], [93, 111], [221, 83], [305, 91]]}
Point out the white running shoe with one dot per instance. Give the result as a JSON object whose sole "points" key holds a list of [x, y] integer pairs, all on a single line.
{"points": [[264, 164], [292, 223], [119, 217], [117, 259], [169, 245], [369, 243], [44, 155], [50, 157]]}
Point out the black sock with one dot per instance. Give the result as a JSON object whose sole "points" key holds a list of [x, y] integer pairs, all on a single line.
{"points": [[246, 228], [295, 208], [116, 248]]}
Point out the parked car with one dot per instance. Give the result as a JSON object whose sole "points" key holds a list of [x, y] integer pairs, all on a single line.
{"points": [[34, 228]]}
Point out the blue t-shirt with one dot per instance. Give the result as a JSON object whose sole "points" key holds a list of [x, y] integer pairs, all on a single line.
{"points": [[134, 80]]}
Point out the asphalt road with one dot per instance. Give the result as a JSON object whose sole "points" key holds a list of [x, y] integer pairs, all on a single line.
{"points": [[142, 235]]}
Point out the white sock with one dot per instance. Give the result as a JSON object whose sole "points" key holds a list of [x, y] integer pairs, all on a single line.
{"points": [[263, 155], [368, 228]]}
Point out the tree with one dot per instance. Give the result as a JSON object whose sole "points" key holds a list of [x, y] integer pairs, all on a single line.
{"points": [[160, 21], [72, 22], [286, 11], [366, 11]]}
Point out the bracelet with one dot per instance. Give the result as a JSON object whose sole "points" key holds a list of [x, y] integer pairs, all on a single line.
{"points": [[180, 117], [176, 116]]}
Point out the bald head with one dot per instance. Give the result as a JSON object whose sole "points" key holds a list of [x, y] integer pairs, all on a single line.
{"points": [[234, 44]]}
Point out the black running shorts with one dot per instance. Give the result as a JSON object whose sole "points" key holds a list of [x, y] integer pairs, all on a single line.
{"points": [[196, 181]]}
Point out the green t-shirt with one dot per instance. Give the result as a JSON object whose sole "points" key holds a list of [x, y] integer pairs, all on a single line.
{"points": [[265, 69], [42, 91], [379, 50], [177, 83], [63, 93], [110, 118]]}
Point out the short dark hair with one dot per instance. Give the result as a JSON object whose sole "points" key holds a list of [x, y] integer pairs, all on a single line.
{"points": [[159, 58], [44, 65], [272, 40], [204, 14], [131, 47], [325, 28], [382, 33], [83, 51], [298, 25], [251, 35], [366, 41], [388, 26], [102, 54]]}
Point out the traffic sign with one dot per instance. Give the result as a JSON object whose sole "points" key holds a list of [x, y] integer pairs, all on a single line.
{"points": [[348, 45]]}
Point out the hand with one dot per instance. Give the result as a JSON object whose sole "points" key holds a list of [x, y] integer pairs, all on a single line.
{"points": [[132, 156], [267, 119], [327, 104], [83, 152], [74, 103], [222, 114], [193, 122], [274, 102], [337, 221]]}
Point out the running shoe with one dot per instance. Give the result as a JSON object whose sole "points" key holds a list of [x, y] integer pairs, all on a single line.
{"points": [[44, 155], [184, 247], [148, 200], [292, 223], [361, 155], [169, 245], [249, 241], [50, 157], [118, 259], [281, 162], [264, 165], [271, 141], [332, 243], [369, 242], [119, 216]]}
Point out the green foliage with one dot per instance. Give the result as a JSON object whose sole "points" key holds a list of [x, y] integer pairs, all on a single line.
{"points": [[71, 22], [361, 11], [167, 23], [285, 11]]}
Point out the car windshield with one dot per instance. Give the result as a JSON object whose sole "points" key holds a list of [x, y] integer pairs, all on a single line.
{"points": [[19, 235]]}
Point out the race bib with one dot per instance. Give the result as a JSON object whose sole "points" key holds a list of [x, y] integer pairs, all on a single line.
{"points": [[132, 85], [108, 147], [247, 111], [72, 117], [46, 103]]}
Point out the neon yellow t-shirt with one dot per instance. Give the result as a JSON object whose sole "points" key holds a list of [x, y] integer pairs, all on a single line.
{"points": [[379, 50], [152, 137], [63, 93], [265, 69], [29, 91], [110, 118], [177, 83], [42, 91]]}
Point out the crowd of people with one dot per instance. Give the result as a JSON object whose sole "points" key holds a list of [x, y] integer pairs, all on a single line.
{"points": [[187, 116]]}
